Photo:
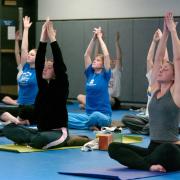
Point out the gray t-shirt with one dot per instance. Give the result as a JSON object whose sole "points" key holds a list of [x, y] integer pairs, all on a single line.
{"points": [[114, 86], [164, 117]]}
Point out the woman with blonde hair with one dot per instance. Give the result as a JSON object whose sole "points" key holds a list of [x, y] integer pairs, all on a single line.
{"points": [[98, 74], [27, 83], [163, 152]]}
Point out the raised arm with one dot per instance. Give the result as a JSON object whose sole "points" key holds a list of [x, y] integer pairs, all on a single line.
{"points": [[59, 66], [176, 56], [160, 53], [24, 45], [96, 50], [150, 56], [87, 55], [118, 52], [40, 56], [104, 49], [16, 48], [166, 56]]}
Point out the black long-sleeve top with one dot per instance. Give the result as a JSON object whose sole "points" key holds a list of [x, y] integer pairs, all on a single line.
{"points": [[50, 104]]}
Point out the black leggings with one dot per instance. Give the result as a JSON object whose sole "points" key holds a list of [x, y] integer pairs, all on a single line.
{"points": [[165, 154], [34, 138]]}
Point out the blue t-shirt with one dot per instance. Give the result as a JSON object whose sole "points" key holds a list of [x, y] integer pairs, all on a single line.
{"points": [[97, 96], [27, 86]]}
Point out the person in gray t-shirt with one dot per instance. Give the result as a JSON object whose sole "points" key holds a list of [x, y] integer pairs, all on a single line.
{"points": [[163, 152]]}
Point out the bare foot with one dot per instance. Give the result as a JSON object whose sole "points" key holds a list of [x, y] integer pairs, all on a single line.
{"points": [[25, 122], [158, 168], [81, 106]]}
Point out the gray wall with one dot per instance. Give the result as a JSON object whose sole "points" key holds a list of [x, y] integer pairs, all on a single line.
{"points": [[136, 20], [135, 39], [105, 9]]}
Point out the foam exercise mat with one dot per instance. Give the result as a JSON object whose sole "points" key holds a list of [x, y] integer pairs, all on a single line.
{"points": [[124, 138], [127, 139], [131, 139], [3, 105], [120, 172], [26, 149]]}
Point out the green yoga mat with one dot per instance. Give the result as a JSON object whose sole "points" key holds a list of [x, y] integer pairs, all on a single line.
{"points": [[26, 149], [128, 139]]}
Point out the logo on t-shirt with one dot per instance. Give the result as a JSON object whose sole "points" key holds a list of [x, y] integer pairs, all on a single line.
{"points": [[91, 83], [24, 78]]}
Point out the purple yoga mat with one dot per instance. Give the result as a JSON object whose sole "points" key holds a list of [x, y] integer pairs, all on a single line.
{"points": [[121, 173]]}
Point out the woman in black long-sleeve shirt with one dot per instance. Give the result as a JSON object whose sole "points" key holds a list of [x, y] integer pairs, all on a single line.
{"points": [[50, 105]]}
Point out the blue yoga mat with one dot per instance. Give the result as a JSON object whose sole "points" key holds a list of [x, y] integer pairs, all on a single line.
{"points": [[3, 105], [122, 173]]}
